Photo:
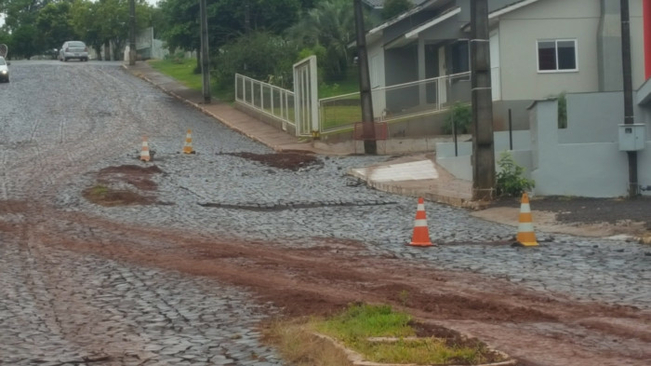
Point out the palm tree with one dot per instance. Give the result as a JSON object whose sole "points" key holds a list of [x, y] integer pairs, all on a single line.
{"points": [[329, 27]]}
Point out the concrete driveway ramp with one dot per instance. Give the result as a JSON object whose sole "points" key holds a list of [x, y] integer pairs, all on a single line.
{"points": [[417, 170]]}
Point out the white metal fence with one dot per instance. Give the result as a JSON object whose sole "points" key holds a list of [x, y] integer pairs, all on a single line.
{"points": [[396, 102], [392, 103], [267, 98]]}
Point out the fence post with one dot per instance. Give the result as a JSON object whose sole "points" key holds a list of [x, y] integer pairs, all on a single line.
{"points": [[271, 92], [510, 131]]}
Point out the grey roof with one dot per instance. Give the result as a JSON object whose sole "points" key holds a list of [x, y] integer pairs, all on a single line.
{"points": [[379, 4]]}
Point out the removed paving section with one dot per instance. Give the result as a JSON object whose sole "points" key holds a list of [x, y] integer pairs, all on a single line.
{"points": [[417, 176], [617, 218]]}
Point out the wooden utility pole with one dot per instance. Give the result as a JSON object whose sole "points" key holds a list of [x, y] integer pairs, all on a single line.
{"points": [[483, 181], [368, 132], [629, 114], [132, 32], [205, 60]]}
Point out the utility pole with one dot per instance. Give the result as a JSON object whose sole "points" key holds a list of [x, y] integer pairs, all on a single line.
{"points": [[483, 181], [132, 32], [629, 114], [205, 60], [368, 132]]}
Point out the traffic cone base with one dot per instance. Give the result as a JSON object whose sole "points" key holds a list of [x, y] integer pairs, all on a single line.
{"points": [[144, 153], [187, 147], [526, 236], [420, 238]]}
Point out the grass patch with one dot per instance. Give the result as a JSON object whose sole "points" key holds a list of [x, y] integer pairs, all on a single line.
{"points": [[361, 321], [181, 70], [347, 86], [355, 328], [300, 347]]}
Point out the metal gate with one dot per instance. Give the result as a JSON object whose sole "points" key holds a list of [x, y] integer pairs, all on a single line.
{"points": [[306, 98]]}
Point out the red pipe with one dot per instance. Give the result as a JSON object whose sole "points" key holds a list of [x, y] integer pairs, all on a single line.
{"points": [[646, 10]]}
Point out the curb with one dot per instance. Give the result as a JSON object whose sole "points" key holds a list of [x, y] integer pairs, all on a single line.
{"points": [[357, 359], [201, 109], [414, 192]]}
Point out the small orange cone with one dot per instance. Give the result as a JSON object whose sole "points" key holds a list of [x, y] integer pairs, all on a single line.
{"points": [[421, 232], [187, 147], [144, 154], [526, 236]]}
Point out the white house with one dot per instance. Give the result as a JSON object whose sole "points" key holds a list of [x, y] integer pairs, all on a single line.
{"points": [[539, 49]]}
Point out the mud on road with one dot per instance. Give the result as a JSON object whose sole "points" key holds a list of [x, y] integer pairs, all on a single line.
{"points": [[178, 282]]}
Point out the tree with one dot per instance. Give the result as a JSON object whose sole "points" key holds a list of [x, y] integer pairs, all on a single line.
{"points": [[330, 25], [22, 44], [113, 25], [395, 7], [53, 25], [260, 55]]}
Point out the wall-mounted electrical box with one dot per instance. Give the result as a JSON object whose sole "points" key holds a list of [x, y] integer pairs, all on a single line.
{"points": [[632, 137]]}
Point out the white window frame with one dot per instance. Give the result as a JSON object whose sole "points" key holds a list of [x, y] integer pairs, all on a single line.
{"points": [[576, 55]]}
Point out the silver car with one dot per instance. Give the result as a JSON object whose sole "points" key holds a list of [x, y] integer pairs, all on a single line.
{"points": [[4, 70], [73, 49]]}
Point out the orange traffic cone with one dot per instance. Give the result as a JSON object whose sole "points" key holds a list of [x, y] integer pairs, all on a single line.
{"points": [[421, 232], [526, 236], [187, 147], [144, 154]]}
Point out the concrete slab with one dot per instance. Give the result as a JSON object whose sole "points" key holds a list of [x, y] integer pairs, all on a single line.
{"points": [[418, 170]]}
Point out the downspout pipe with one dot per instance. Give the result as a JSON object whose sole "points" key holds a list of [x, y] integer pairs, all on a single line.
{"points": [[629, 117]]}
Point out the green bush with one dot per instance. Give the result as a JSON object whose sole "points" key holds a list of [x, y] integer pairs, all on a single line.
{"points": [[510, 181], [562, 111], [461, 115], [259, 55]]}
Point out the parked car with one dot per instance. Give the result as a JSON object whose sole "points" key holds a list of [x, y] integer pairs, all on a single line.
{"points": [[73, 49], [4, 70]]}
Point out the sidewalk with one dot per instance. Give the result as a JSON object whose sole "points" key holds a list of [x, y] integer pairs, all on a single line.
{"points": [[414, 175]]}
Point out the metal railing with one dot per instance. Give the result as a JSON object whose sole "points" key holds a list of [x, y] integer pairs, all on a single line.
{"points": [[396, 102], [266, 98]]}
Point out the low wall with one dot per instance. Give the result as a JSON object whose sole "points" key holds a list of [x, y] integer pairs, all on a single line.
{"points": [[461, 166], [596, 169]]}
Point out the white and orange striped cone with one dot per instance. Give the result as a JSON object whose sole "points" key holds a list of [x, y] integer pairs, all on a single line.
{"points": [[421, 232], [187, 147], [526, 236], [144, 154]]}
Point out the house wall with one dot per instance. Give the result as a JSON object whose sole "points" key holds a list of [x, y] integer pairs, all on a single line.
{"points": [[598, 43], [593, 169], [377, 76], [593, 117], [583, 160], [461, 166], [401, 66], [549, 19]]}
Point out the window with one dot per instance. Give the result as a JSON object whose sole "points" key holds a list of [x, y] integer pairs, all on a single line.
{"points": [[557, 55]]}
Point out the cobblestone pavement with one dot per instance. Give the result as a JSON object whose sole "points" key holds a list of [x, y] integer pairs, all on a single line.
{"points": [[58, 307], [52, 148]]}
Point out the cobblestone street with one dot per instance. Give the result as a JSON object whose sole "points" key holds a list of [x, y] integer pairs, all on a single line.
{"points": [[75, 284]]}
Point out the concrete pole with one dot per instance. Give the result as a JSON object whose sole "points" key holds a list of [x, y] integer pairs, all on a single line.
{"points": [[483, 182], [132, 32], [205, 59], [629, 114], [370, 146]]}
